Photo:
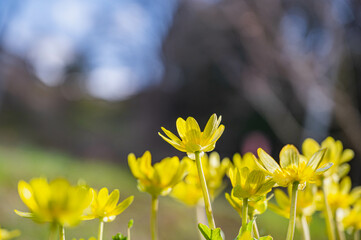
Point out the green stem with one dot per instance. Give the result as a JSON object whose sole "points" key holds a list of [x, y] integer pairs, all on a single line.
{"points": [[340, 235], [356, 234], [153, 218], [201, 218], [61, 232], [100, 229], [305, 228], [207, 200], [328, 215], [255, 230], [128, 235], [292, 220], [244, 212], [53, 229]]}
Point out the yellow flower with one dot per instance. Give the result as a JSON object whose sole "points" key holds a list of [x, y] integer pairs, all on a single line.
{"points": [[249, 184], [57, 202], [335, 154], [248, 160], [5, 234], [105, 206], [306, 202], [353, 218], [340, 195], [254, 207], [160, 179], [192, 139], [293, 166], [189, 191]]}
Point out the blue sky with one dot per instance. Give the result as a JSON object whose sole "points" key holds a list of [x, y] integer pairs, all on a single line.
{"points": [[120, 40]]}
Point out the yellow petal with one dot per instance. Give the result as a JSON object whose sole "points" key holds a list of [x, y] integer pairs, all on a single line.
{"points": [[134, 167], [289, 156], [210, 128], [123, 205], [316, 159], [171, 135], [27, 196], [181, 127], [193, 131], [112, 201], [103, 196], [345, 185], [347, 156], [309, 147], [176, 145], [167, 169], [267, 161]]}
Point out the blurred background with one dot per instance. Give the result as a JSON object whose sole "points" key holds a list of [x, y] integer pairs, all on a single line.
{"points": [[84, 83]]}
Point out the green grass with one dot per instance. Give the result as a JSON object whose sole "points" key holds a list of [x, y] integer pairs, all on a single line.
{"points": [[176, 222]]}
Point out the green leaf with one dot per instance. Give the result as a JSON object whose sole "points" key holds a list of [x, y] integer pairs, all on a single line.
{"points": [[119, 236], [210, 234]]}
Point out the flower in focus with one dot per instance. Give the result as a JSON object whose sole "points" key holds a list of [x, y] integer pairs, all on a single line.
{"points": [[306, 202], [293, 166], [56, 202], [192, 139], [249, 184], [160, 178], [335, 154], [5, 234], [189, 191], [105, 206], [254, 207]]}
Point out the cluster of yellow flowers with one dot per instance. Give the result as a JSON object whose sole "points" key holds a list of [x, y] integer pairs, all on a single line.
{"points": [[64, 205], [316, 180]]}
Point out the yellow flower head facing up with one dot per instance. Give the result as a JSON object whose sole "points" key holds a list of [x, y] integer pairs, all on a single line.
{"points": [[5, 234], [191, 139], [306, 202], [105, 206], [189, 191], [335, 154], [293, 166], [340, 195], [57, 202], [250, 184], [160, 178], [254, 207]]}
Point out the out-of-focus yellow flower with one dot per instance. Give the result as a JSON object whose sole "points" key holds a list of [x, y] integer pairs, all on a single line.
{"points": [[254, 207], [5, 234], [293, 166], [340, 195], [192, 139], [352, 220], [248, 160], [57, 202], [249, 184], [160, 178], [306, 202], [105, 206], [335, 154], [189, 191]]}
